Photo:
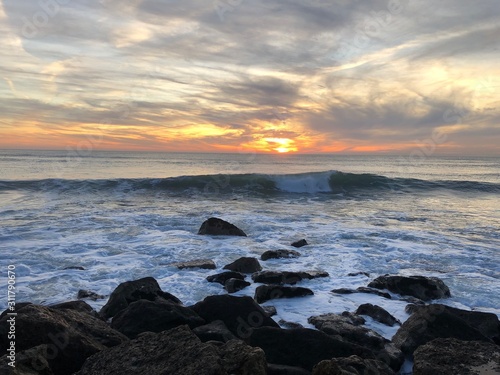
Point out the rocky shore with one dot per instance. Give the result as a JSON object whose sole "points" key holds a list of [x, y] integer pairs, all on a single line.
{"points": [[145, 330]]}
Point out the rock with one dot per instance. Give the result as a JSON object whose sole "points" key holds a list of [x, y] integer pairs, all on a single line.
{"points": [[439, 321], [302, 347], [353, 318], [214, 331], [362, 289], [289, 325], [89, 294], [235, 285], [240, 314], [451, 356], [265, 293], [17, 307], [66, 337], [176, 352], [79, 268], [221, 278], [277, 254], [153, 316], [377, 313], [270, 310], [206, 264], [358, 274], [28, 362], [273, 369], [218, 227], [299, 243], [424, 288], [352, 365], [244, 265], [80, 306], [131, 291], [285, 277]]}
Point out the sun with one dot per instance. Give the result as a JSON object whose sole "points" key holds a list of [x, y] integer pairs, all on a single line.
{"points": [[282, 145]]}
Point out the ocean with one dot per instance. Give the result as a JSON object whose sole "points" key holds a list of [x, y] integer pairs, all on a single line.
{"points": [[126, 215]]}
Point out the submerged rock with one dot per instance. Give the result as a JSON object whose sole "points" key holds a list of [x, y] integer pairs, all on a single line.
{"points": [[88, 294], [362, 289], [218, 227], [353, 365], [299, 243], [244, 265], [286, 277], [424, 288], [451, 357], [207, 264], [265, 293], [221, 278], [235, 285], [377, 313], [277, 254]]}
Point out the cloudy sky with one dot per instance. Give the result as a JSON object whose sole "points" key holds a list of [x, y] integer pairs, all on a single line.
{"points": [[265, 75]]}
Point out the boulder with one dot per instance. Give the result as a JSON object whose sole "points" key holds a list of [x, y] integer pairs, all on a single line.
{"points": [[88, 294], [240, 314], [244, 265], [214, 331], [206, 264], [377, 313], [265, 293], [302, 347], [438, 321], [285, 277], [218, 227], [358, 274], [277, 254], [289, 325], [270, 310], [131, 291], [299, 243], [80, 306], [66, 337], [362, 289], [273, 369], [451, 356], [424, 288], [221, 278], [153, 316], [28, 362], [176, 352], [352, 365], [235, 285]]}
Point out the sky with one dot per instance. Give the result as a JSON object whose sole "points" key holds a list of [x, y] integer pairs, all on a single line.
{"points": [[307, 76]]}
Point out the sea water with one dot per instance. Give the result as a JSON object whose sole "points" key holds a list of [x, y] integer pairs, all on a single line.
{"points": [[123, 216]]}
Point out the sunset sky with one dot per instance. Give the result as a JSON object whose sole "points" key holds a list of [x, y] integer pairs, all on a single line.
{"points": [[307, 76]]}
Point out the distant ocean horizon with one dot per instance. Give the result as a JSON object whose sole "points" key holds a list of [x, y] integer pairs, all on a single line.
{"points": [[126, 215]]}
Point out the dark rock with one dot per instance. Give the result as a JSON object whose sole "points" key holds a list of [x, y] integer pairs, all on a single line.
{"points": [[240, 314], [302, 347], [273, 369], [80, 306], [206, 264], [352, 365], [289, 325], [28, 362], [424, 288], [89, 294], [176, 352], [153, 316], [353, 318], [265, 293], [221, 278], [439, 321], [277, 254], [235, 285], [451, 357], [214, 331], [270, 310], [69, 336], [358, 274], [79, 268], [285, 277], [219, 227], [131, 291], [15, 309], [244, 265], [299, 243], [377, 313], [362, 289]]}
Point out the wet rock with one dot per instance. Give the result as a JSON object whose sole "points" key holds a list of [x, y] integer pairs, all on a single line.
{"points": [[299, 243], [270, 310], [273, 369], [235, 285], [214, 331], [289, 325], [277, 254], [424, 288], [377, 313], [240, 314], [206, 264], [352, 365], [218, 227], [358, 274], [286, 277], [244, 265], [131, 291], [28, 362], [451, 356], [265, 293], [239, 358], [78, 268], [153, 316], [221, 278], [80, 306], [362, 289], [88, 294], [438, 321], [69, 336], [302, 347], [353, 318]]}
